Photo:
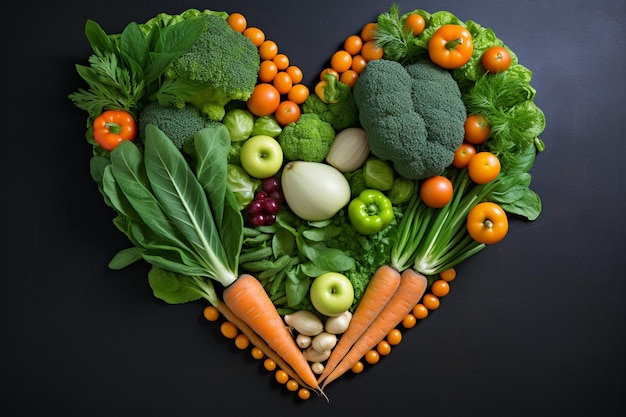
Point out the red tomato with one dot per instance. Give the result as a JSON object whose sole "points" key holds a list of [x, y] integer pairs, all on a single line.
{"points": [[436, 191], [483, 167], [264, 100], [496, 59], [287, 112]]}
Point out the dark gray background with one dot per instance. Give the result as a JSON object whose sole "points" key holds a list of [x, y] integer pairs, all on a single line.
{"points": [[533, 326]]}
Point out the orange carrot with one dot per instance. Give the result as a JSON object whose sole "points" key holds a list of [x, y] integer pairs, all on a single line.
{"points": [[379, 291], [248, 300], [411, 289], [256, 340]]}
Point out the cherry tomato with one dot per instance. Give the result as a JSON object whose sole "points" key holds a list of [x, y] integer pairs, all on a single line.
{"points": [[295, 73], [368, 32], [440, 288], [415, 22], [409, 321], [269, 364], [241, 341], [420, 311], [281, 376], [281, 61], [229, 330], [371, 52], [372, 357], [383, 348], [237, 22], [264, 100], [256, 35], [483, 167], [304, 394], [358, 367], [436, 191], [287, 112], [292, 385], [358, 63], [487, 223], [257, 353], [431, 301], [448, 275], [267, 71], [211, 313], [394, 337], [268, 50], [463, 155], [353, 44], [282, 82], [476, 129], [341, 61], [298, 93], [349, 77], [496, 59]]}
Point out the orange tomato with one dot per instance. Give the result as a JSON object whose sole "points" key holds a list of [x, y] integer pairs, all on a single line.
{"points": [[463, 155], [241, 341], [358, 367], [298, 93], [368, 32], [256, 35], [287, 112], [281, 376], [476, 129], [371, 52], [237, 22], [341, 61], [451, 46], [436, 191], [420, 311], [268, 50], [229, 330], [353, 44], [496, 59], [372, 357], [409, 321], [292, 385], [448, 275], [264, 100], [349, 77], [431, 301], [211, 313], [281, 61], [358, 63], [282, 82], [267, 71], [383, 348], [415, 22], [487, 223], [269, 364], [483, 167], [304, 394], [440, 288], [295, 73], [394, 337], [257, 353]]}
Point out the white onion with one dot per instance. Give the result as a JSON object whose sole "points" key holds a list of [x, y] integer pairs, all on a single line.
{"points": [[313, 190], [349, 149]]}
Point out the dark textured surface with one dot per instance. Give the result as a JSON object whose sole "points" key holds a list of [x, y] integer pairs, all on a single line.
{"points": [[533, 326]]}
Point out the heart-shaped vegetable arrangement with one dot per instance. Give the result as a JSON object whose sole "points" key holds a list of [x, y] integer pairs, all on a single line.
{"points": [[330, 217]]}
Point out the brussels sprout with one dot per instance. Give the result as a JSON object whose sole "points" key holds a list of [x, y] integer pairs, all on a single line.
{"points": [[266, 125], [378, 174], [242, 185], [239, 123], [401, 191]]}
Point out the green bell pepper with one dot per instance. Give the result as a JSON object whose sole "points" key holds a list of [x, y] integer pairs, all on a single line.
{"points": [[370, 212]]}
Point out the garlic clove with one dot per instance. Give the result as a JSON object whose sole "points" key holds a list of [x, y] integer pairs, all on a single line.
{"points": [[303, 341], [312, 355], [304, 322], [338, 324], [317, 368], [324, 342]]}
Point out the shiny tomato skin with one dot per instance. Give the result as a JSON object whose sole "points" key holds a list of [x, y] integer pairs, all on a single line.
{"points": [[436, 191], [487, 223], [463, 155], [483, 167], [287, 112], [496, 59], [264, 100], [477, 129]]}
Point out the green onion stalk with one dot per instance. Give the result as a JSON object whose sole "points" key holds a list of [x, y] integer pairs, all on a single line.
{"points": [[431, 240]]}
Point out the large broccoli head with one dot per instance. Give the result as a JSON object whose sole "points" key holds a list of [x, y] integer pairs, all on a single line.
{"points": [[307, 139], [178, 124], [221, 66], [413, 115]]}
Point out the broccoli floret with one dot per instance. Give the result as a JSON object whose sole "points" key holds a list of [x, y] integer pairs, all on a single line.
{"points": [[307, 139], [413, 115], [221, 66], [179, 124], [341, 114]]}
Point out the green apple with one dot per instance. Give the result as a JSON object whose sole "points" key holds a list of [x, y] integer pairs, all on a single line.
{"points": [[261, 156], [331, 293]]}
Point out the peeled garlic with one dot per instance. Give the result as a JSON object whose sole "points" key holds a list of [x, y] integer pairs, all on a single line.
{"points": [[305, 322], [317, 368], [324, 342], [313, 355], [338, 324], [303, 341]]}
